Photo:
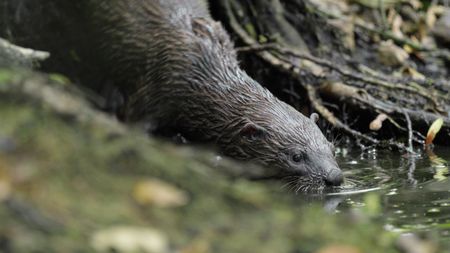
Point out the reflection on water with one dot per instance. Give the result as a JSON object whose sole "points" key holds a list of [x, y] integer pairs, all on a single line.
{"points": [[412, 193]]}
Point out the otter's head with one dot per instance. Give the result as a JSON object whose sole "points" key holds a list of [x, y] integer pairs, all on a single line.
{"points": [[275, 134]]}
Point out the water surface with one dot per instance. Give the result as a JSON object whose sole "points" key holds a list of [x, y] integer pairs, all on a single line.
{"points": [[406, 193]]}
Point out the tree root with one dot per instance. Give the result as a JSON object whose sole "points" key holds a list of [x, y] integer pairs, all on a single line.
{"points": [[12, 54], [410, 101]]}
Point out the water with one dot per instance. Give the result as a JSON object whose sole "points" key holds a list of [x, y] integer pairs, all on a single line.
{"points": [[408, 194]]}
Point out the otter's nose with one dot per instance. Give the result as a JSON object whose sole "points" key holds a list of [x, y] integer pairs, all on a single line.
{"points": [[334, 178]]}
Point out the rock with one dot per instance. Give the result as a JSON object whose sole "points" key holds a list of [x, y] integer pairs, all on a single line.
{"points": [[391, 54], [441, 29], [125, 239]]}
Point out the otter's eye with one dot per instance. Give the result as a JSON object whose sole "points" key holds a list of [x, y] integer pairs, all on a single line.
{"points": [[297, 158]]}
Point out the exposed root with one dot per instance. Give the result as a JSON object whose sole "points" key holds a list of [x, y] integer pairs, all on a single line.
{"points": [[410, 101], [12, 54]]}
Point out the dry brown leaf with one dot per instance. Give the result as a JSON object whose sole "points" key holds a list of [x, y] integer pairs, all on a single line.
{"points": [[391, 54], [431, 17], [442, 27], [376, 4], [413, 73], [158, 193], [125, 239], [416, 4], [396, 26], [377, 123], [433, 131], [391, 14], [429, 42], [347, 27], [335, 7]]}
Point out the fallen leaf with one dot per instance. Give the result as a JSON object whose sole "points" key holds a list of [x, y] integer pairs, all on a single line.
{"points": [[433, 130], [335, 7], [442, 27], [397, 23], [158, 193], [377, 123], [377, 4], [347, 28], [124, 239], [391, 54], [414, 74], [416, 4], [431, 17]]}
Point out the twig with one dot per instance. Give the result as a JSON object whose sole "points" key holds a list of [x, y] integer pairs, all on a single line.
{"points": [[255, 48], [372, 102], [410, 131], [294, 71], [345, 72], [22, 53], [383, 33], [411, 169], [386, 34]]}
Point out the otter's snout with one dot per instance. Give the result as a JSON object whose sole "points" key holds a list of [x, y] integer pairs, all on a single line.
{"points": [[334, 178]]}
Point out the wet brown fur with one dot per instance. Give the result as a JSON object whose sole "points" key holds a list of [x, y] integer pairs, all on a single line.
{"points": [[177, 69]]}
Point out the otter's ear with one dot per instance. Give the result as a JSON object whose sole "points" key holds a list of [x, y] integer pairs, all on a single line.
{"points": [[314, 117], [252, 132], [204, 27], [211, 30]]}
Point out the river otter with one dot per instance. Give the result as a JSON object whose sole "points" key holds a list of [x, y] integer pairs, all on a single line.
{"points": [[177, 68]]}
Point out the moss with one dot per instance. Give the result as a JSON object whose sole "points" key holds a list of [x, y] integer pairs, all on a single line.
{"points": [[6, 75], [79, 173], [58, 78]]}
